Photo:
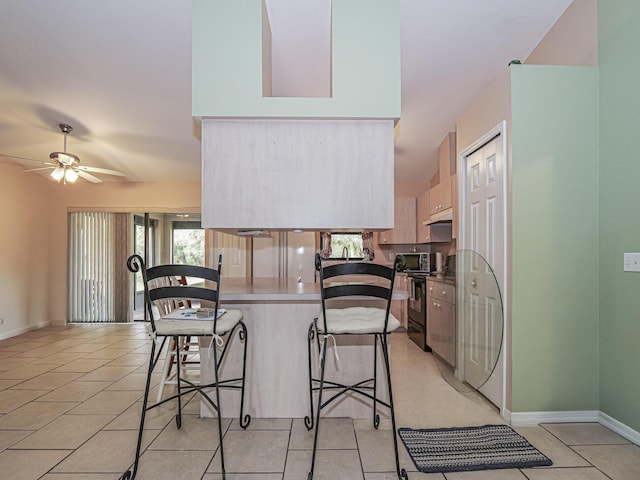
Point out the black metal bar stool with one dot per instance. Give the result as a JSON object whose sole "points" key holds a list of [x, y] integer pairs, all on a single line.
{"points": [[374, 282], [219, 327]]}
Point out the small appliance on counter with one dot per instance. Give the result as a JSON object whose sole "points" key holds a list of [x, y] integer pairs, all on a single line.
{"points": [[439, 265], [419, 262]]}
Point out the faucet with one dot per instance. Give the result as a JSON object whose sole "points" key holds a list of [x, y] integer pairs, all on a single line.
{"points": [[345, 253]]}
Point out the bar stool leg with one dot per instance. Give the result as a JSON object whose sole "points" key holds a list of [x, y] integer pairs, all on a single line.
{"points": [[376, 417], [220, 434], [179, 414], [402, 473], [315, 436], [243, 419], [309, 420]]}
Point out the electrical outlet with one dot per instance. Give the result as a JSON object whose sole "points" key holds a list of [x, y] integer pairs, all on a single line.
{"points": [[631, 262]]}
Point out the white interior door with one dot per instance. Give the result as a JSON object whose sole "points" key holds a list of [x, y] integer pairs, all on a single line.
{"points": [[483, 232]]}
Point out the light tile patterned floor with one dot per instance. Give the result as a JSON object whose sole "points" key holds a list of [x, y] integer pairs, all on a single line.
{"points": [[70, 402]]}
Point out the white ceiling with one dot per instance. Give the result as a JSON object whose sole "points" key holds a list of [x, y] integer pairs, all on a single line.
{"points": [[119, 72]]}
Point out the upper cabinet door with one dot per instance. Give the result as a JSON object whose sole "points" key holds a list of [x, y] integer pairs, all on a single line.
{"points": [[404, 229], [440, 192], [423, 231]]}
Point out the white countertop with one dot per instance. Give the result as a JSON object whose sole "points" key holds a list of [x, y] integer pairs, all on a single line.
{"points": [[278, 289]]}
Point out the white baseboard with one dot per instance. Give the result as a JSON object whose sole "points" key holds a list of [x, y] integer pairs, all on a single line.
{"points": [[20, 331], [586, 416], [534, 418], [620, 428]]}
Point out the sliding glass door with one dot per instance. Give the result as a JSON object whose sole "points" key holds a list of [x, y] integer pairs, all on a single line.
{"points": [[98, 245]]}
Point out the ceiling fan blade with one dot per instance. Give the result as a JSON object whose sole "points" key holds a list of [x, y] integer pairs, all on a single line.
{"points": [[38, 169], [88, 176], [106, 171], [26, 159]]}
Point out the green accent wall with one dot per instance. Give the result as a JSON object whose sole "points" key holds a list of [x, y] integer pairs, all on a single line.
{"points": [[619, 38], [554, 238], [227, 62]]}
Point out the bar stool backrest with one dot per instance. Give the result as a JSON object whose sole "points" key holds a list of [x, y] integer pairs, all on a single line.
{"points": [[158, 289], [374, 281]]}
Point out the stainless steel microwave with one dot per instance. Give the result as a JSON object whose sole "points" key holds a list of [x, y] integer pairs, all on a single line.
{"points": [[420, 262]]}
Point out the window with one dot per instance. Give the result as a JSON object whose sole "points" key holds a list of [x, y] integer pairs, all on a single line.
{"points": [[187, 243], [352, 242]]}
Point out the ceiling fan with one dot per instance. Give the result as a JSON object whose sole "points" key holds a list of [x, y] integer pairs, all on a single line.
{"points": [[66, 167]]}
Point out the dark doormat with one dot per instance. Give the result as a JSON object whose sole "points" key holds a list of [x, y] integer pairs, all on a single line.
{"points": [[462, 449]]}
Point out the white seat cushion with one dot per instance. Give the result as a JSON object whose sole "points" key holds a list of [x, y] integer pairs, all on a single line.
{"points": [[357, 320], [189, 326]]}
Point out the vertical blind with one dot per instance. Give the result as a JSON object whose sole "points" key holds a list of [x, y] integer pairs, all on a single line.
{"points": [[91, 266]]}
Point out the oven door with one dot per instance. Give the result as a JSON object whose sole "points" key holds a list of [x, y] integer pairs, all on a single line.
{"points": [[417, 333], [417, 297], [417, 311]]}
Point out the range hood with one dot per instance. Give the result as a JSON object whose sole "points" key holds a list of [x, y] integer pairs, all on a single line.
{"points": [[445, 216]]}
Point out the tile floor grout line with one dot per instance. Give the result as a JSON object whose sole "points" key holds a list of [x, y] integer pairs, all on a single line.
{"points": [[286, 453]]}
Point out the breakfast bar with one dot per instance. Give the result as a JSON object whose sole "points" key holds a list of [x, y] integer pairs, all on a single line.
{"points": [[277, 313]]}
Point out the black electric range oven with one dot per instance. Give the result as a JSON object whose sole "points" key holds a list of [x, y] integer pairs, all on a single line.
{"points": [[417, 309]]}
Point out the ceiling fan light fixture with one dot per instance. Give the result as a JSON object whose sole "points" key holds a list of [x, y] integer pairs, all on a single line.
{"points": [[57, 174], [70, 175]]}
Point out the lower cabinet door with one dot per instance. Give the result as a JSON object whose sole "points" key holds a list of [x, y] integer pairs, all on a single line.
{"points": [[448, 333]]}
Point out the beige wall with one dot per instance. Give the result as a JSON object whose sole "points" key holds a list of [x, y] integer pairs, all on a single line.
{"points": [[24, 250], [111, 196], [410, 189], [573, 40]]}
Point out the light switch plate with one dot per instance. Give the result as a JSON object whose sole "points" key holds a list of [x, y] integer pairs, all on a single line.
{"points": [[632, 262]]}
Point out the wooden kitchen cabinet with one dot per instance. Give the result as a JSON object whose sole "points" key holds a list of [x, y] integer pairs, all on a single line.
{"points": [[429, 233], [404, 223], [441, 320], [440, 194], [423, 232], [434, 195]]}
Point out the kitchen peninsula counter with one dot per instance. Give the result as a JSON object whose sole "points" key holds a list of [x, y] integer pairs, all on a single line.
{"points": [[276, 289], [277, 314], [267, 288]]}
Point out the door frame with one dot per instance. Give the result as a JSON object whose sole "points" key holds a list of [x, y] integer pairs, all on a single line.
{"points": [[498, 130]]}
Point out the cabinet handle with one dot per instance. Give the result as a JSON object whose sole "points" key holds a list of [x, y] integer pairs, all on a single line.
{"points": [[444, 293]]}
